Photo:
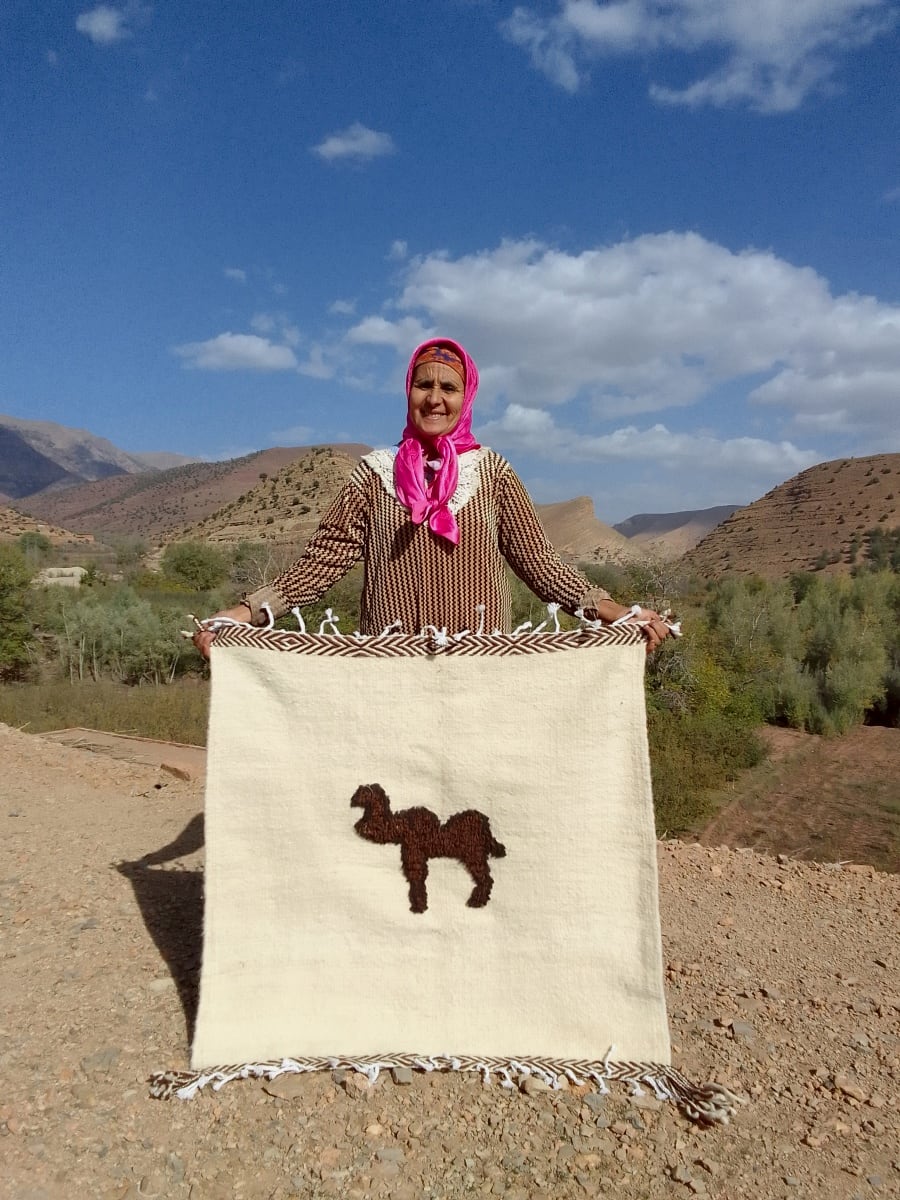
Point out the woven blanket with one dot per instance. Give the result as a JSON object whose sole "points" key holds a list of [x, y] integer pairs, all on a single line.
{"points": [[433, 853]]}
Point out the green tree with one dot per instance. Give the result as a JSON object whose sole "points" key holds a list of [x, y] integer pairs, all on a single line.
{"points": [[116, 635], [129, 549], [15, 626], [195, 566], [36, 548]]}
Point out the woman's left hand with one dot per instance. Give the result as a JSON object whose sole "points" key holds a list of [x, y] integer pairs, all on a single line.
{"points": [[653, 627]]}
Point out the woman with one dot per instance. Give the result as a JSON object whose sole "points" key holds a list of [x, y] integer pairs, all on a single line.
{"points": [[433, 521]]}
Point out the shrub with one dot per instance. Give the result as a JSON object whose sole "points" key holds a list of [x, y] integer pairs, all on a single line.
{"points": [[15, 627], [194, 565]]}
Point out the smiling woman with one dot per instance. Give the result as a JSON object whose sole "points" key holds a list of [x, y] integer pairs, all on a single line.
{"points": [[435, 522], [435, 399]]}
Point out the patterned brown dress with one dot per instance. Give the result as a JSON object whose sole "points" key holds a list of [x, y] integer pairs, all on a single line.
{"points": [[418, 579]]}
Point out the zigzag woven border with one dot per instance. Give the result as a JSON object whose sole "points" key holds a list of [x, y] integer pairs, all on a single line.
{"points": [[401, 645], [707, 1104]]}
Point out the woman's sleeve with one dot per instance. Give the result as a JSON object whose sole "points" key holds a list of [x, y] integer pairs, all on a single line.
{"points": [[525, 546], [336, 545]]}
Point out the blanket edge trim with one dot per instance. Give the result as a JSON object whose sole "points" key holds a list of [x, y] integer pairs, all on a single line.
{"points": [[706, 1104]]}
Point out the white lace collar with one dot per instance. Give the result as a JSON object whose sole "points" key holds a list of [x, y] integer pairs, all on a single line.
{"points": [[382, 463]]}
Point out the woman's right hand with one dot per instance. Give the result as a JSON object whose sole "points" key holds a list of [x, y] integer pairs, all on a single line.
{"points": [[203, 638]]}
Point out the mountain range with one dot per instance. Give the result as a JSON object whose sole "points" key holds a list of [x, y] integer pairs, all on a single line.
{"points": [[37, 456], [816, 520]]}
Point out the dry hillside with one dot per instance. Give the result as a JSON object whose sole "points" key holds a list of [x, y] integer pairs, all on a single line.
{"points": [[670, 535], [155, 505], [285, 509], [573, 528], [820, 512], [13, 524]]}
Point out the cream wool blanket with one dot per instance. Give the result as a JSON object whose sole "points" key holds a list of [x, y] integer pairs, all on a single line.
{"points": [[532, 943]]}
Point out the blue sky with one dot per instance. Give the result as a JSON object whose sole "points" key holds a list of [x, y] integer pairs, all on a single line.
{"points": [[667, 232]]}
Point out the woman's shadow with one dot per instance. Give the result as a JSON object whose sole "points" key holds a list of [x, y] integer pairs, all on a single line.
{"points": [[171, 904]]}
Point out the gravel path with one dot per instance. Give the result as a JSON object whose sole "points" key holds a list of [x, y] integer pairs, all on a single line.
{"points": [[783, 982]]}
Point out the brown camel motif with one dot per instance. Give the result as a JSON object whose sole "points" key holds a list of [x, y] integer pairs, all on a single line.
{"points": [[419, 833]]}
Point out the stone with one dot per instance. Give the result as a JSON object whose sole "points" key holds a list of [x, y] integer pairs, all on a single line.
{"points": [[742, 1031], [595, 1101], [402, 1076], [157, 986], [286, 1087], [532, 1085], [356, 1084], [847, 1087], [176, 1167], [178, 772], [101, 1060], [390, 1154]]}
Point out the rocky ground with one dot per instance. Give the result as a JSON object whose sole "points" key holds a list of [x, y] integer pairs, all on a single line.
{"points": [[783, 982]]}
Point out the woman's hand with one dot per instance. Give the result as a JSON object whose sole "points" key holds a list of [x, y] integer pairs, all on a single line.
{"points": [[653, 627], [203, 638]]}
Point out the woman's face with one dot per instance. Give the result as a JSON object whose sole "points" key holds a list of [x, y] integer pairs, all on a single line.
{"points": [[435, 399]]}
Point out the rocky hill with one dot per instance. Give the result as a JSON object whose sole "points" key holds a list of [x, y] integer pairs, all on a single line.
{"points": [[286, 508], [159, 505], [573, 528], [816, 520], [669, 535], [36, 455], [283, 509], [13, 524]]}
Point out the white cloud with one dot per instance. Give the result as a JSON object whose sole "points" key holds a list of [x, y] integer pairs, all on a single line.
{"points": [[238, 274], [403, 334], [317, 364], [296, 435], [656, 323], [534, 431], [278, 323], [237, 352], [552, 47], [773, 53], [343, 308], [398, 251], [52, 58], [356, 143], [106, 25], [263, 323]]}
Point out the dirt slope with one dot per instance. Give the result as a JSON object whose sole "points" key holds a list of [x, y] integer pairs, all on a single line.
{"points": [[669, 535], [157, 504], [13, 524], [783, 981], [573, 528], [821, 511], [818, 798]]}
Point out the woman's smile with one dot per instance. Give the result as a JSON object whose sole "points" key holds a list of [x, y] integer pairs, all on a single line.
{"points": [[435, 399]]}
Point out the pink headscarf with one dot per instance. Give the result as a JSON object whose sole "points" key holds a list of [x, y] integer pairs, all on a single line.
{"points": [[431, 502]]}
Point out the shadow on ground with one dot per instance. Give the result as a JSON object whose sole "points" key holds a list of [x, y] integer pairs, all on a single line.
{"points": [[171, 904]]}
